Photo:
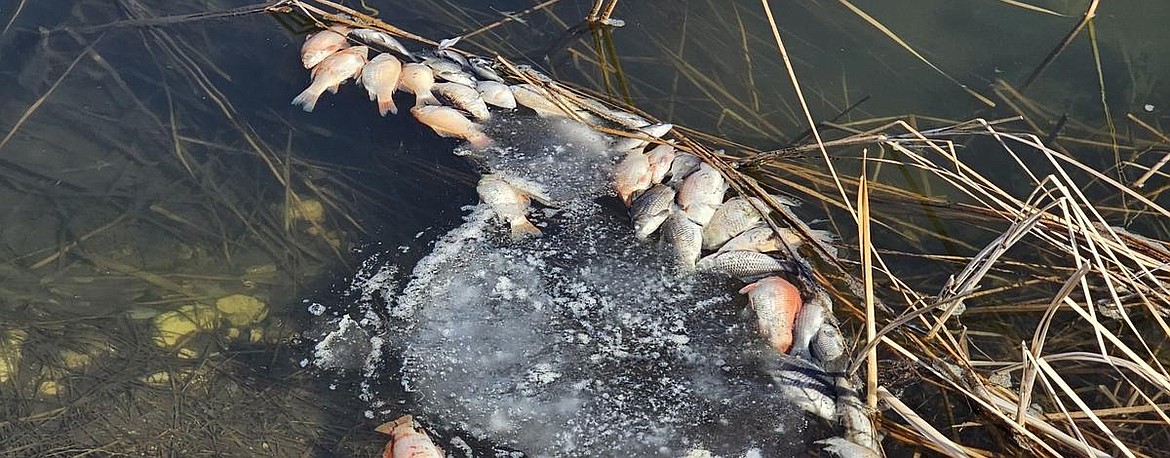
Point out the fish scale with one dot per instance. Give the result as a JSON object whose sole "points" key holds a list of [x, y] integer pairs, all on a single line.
{"points": [[651, 209], [701, 193], [463, 98], [742, 264], [730, 219], [685, 238]]}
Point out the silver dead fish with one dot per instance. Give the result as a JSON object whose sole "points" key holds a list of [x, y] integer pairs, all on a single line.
{"points": [[509, 204], [496, 94], [537, 99], [730, 219], [463, 98], [763, 239], [483, 69], [809, 387], [684, 164], [685, 239], [639, 141], [828, 344], [742, 264], [808, 323], [382, 40], [651, 209], [451, 71]]}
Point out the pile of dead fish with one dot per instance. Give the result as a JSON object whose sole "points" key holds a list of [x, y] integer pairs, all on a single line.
{"points": [[669, 192]]}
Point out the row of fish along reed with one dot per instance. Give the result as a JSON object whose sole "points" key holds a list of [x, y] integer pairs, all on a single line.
{"points": [[673, 193], [1092, 389]]}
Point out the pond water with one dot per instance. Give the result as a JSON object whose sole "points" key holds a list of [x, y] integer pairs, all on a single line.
{"points": [[157, 180]]}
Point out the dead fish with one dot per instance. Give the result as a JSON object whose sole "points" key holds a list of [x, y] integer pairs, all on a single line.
{"points": [[418, 79], [382, 40], [509, 204], [808, 323], [380, 78], [622, 118], [483, 69], [742, 264], [533, 73], [660, 157], [729, 220], [628, 120], [639, 140], [651, 209], [809, 387], [496, 94], [631, 176], [463, 98], [448, 70], [828, 344], [330, 73], [537, 99], [684, 164], [454, 57], [763, 239], [684, 237], [449, 122], [776, 302], [323, 44], [407, 441], [701, 193]]}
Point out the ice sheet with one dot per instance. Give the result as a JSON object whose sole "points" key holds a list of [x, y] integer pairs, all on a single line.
{"points": [[583, 342]]}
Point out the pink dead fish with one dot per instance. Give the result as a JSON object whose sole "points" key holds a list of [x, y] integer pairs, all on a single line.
{"points": [[407, 441], [701, 193], [449, 122], [418, 79], [323, 44], [330, 73], [776, 303], [632, 175], [660, 159], [380, 78], [509, 203]]}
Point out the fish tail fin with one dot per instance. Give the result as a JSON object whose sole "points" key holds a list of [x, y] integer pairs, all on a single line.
{"points": [[386, 104], [782, 341], [522, 228], [307, 99], [425, 99], [749, 288], [480, 140]]}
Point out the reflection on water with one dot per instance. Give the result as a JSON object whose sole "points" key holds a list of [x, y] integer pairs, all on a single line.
{"points": [[166, 209]]}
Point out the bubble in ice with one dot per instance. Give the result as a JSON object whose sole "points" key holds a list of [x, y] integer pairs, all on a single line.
{"points": [[582, 342]]}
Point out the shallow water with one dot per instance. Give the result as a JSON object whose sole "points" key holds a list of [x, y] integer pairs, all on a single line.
{"points": [[152, 176]]}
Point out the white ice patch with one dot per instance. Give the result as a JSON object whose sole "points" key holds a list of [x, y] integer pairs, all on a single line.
{"points": [[582, 342]]}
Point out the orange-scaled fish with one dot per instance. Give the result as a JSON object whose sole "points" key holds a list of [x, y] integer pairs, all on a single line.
{"points": [[330, 73], [776, 302]]}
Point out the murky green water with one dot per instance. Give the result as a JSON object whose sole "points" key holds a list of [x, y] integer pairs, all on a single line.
{"points": [[157, 178]]}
